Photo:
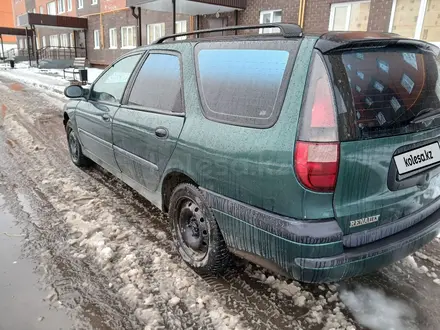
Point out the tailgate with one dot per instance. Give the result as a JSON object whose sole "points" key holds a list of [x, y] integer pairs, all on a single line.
{"points": [[389, 151]]}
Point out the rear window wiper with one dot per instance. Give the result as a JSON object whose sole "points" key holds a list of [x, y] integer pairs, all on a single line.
{"points": [[425, 115]]}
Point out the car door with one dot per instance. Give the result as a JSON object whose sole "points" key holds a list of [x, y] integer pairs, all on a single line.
{"points": [[94, 116], [146, 128]]}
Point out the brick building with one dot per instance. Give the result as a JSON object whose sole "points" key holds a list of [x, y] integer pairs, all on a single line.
{"points": [[113, 28], [6, 20]]}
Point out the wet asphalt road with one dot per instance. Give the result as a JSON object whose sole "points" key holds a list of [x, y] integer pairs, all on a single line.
{"points": [[81, 250]]}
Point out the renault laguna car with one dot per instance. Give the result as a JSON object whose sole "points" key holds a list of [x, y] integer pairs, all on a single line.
{"points": [[315, 156]]}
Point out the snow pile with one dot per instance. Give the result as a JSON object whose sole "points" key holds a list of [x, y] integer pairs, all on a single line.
{"points": [[92, 73], [324, 310], [159, 287], [410, 262], [51, 80], [32, 78], [374, 310]]}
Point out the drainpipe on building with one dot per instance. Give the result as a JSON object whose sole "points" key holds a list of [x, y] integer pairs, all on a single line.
{"points": [[301, 13], [74, 43], [28, 49], [197, 25], [34, 42], [1, 41], [174, 16], [85, 43], [101, 32], [138, 17], [236, 20]]}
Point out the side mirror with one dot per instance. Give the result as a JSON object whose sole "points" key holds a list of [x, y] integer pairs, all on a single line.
{"points": [[74, 91]]}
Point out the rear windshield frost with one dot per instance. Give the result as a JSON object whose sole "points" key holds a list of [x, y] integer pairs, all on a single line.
{"points": [[382, 91], [243, 83]]}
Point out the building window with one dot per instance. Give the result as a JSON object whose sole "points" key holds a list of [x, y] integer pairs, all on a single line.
{"points": [[38, 42], [69, 5], [72, 40], [41, 10], [51, 8], [155, 31], [270, 16], [404, 17], [181, 28], [431, 26], [20, 44], [94, 2], [113, 35], [80, 4], [96, 39], [54, 41], [416, 19], [43, 41], [64, 40], [349, 16], [61, 6], [34, 11], [128, 37]]}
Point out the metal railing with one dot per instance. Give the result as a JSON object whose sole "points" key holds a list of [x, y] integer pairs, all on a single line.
{"points": [[60, 53], [12, 53]]}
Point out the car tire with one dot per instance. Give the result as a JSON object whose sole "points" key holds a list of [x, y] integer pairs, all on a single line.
{"points": [[75, 148], [196, 233]]}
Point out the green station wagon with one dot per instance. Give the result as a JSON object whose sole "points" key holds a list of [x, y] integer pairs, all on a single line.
{"points": [[315, 156]]}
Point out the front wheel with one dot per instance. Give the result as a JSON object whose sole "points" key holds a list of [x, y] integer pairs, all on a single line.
{"points": [[75, 149], [195, 231]]}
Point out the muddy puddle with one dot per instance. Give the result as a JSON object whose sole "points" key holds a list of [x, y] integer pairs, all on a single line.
{"points": [[22, 298]]}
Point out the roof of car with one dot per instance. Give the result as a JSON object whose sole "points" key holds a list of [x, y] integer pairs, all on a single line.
{"points": [[344, 36], [327, 42]]}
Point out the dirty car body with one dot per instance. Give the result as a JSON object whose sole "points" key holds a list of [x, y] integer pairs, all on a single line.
{"points": [[317, 157]]}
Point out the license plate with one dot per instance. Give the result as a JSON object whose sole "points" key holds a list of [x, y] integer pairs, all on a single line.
{"points": [[418, 158]]}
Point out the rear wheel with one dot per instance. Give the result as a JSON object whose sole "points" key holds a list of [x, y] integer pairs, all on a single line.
{"points": [[195, 231], [75, 149]]}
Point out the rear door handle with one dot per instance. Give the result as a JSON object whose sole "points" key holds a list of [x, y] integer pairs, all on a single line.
{"points": [[161, 132], [105, 117]]}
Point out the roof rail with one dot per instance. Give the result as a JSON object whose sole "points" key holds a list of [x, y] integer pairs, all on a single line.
{"points": [[287, 30]]}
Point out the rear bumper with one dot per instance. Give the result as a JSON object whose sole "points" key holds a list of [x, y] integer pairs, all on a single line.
{"points": [[367, 258], [312, 251]]}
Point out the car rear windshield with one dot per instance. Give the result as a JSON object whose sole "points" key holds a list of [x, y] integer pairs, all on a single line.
{"points": [[380, 92]]}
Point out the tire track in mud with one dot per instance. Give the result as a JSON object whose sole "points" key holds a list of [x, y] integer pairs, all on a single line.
{"points": [[246, 295], [265, 308], [45, 245], [35, 163]]}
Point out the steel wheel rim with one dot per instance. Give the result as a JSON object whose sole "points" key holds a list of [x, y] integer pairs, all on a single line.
{"points": [[192, 229], [73, 146]]}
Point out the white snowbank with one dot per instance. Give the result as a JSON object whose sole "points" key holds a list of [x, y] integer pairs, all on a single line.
{"points": [[148, 278], [375, 310], [321, 310], [51, 80]]}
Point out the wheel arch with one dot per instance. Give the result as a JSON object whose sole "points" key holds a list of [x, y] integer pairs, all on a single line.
{"points": [[170, 181]]}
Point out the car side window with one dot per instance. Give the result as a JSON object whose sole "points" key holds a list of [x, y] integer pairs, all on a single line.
{"points": [[244, 83], [111, 85], [158, 85]]}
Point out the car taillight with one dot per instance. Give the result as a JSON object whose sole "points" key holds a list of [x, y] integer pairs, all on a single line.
{"points": [[316, 158], [317, 164]]}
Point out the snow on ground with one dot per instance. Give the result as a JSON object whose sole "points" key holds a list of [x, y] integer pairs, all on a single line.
{"points": [[51, 80], [32, 77], [92, 73], [157, 286], [375, 310], [326, 310]]}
